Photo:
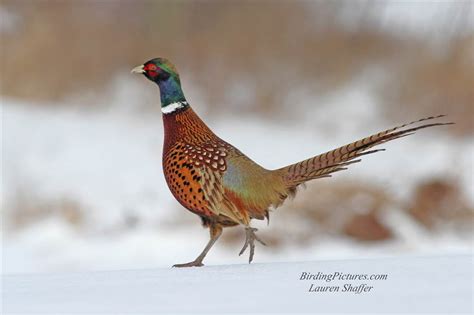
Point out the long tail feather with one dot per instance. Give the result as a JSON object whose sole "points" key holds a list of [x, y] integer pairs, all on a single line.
{"points": [[325, 164]]}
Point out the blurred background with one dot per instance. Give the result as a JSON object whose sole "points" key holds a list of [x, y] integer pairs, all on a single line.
{"points": [[82, 186]]}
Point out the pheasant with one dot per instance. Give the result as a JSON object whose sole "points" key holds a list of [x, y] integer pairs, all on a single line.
{"points": [[223, 186]]}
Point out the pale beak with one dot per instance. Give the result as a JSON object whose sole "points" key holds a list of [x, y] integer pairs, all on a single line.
{"points": [[138, 69]]}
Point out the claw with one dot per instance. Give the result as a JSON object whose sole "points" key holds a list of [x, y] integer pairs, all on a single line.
{"points": [[250, 238], [190, 264]]}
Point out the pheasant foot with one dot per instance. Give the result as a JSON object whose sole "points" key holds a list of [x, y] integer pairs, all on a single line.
{"points": [[250, 238], [195, 263], [215, 231]]}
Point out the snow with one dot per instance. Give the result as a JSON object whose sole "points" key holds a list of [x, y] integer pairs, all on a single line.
{"points": [[430, 284], [436, 20], [8, 21]]}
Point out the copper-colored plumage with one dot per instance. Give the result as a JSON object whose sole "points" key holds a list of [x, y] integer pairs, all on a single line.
{"points": [[216, 181]]}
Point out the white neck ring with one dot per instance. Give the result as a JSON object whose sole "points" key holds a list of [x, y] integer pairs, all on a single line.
{"points": [[170, 108]]}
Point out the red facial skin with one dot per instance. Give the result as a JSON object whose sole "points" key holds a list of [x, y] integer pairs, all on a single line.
{"points": [[151, 70]]}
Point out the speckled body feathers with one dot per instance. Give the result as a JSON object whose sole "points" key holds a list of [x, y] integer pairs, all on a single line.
{"points": [[212, 178]]}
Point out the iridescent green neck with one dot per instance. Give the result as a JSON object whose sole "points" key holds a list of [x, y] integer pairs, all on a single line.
{"points": [[170, 91]]}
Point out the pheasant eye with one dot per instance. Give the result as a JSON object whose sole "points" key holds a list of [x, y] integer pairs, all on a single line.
{"points": [[150, 67]]}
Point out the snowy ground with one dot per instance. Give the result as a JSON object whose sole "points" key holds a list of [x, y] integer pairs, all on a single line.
{"points": [[430, 284], [109, 162]]}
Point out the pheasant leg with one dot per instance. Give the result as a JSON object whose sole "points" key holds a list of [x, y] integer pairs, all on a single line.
{"points": [[215, 231], [250, 238]]}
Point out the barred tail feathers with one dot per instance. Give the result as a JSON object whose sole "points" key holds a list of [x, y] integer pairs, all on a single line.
{"points": [[339, 159]]}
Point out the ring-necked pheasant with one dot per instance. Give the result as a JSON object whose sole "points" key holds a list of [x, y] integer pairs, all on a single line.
{"points": [[216, 181]]}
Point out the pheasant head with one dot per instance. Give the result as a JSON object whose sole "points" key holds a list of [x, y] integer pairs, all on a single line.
{"points": [[165, 75]]}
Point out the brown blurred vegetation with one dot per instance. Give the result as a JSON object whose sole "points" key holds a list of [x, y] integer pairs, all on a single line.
{"points": [[436, 83], [62, 48], [439, 201], [27, 209]]}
